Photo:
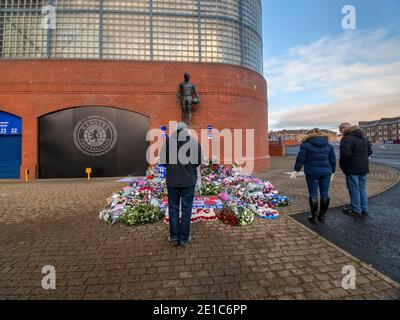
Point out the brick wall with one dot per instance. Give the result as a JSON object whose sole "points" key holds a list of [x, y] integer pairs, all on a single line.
{"points": [[290, 142], [231, 97]]}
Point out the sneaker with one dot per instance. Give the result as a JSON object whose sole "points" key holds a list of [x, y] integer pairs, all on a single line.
{"points": [[185, 244], [364, 213]]}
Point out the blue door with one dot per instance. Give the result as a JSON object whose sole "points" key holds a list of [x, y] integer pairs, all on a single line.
{"points": [[10, 156], [10, 146]]}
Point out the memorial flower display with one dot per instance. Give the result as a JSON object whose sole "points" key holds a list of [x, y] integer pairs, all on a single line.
{"points": [[210, 189], [142, 214], [246, 216], [223, 194], [228, 216]]}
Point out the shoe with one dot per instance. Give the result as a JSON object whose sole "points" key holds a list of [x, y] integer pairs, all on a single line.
{"points": [[364, 213], [347, 207], [323, 209], [185, 244], [314, 210], [173, 243], [350, 211]]}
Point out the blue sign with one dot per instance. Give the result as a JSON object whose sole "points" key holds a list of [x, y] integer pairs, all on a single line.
{"points": [[162, 171], [10, 124], [210, 133], [164, 131]]}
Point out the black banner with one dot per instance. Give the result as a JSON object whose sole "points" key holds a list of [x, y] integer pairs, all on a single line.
{"points": [[111, 141], [229, 310]]}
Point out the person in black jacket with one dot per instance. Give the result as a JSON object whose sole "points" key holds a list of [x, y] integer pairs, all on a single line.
{"points": [[318, 158], [182, 155], [355, 151]]}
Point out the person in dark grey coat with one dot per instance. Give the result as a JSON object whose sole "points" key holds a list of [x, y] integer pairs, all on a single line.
{"points": [[355, 151], [182, 156]]}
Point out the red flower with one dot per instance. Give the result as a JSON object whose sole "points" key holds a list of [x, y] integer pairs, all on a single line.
{"points": [[228, 217], [149, 189]]}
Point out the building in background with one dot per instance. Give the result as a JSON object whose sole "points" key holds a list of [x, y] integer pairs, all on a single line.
{"points": [[87, 79], [292, 137], [385, 130]]}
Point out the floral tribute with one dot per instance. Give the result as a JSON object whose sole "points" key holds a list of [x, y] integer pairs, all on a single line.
{"points": [[142, 214], [222, 194]]}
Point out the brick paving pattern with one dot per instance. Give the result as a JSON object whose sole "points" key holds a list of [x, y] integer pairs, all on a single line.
{"points": [[380, 179], [56, 223]]}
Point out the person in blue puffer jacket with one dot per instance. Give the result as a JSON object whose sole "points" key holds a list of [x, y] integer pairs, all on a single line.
{"points": [[319, 160]]}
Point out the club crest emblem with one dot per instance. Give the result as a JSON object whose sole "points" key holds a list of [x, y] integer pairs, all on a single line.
{"points": [[95, 136]]}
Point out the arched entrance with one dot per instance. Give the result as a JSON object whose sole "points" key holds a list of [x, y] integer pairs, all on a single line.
{"points": [[109, 140], [10, 145]]}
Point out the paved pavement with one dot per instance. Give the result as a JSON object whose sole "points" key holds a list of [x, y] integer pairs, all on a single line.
{"points": [[374, 239], [56, 223], [384, 154]]}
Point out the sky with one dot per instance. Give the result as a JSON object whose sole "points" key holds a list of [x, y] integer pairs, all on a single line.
{"points": [[319, 74]]}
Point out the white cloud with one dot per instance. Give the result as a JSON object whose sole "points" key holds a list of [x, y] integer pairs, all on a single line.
{"points": [[358, 71], [331, 115]]}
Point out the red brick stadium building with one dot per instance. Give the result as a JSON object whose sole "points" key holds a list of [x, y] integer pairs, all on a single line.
{"points": [[56, 86]]}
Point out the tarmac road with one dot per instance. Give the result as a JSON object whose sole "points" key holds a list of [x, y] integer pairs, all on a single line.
{"points": [[374, 239]]}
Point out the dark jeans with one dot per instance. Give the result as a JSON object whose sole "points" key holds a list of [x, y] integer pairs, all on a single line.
{"points": [[180, 230], [357, 186], [318, 182]]}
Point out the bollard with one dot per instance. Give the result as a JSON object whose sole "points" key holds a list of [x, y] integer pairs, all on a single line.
{"points": [[88, 172]]}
